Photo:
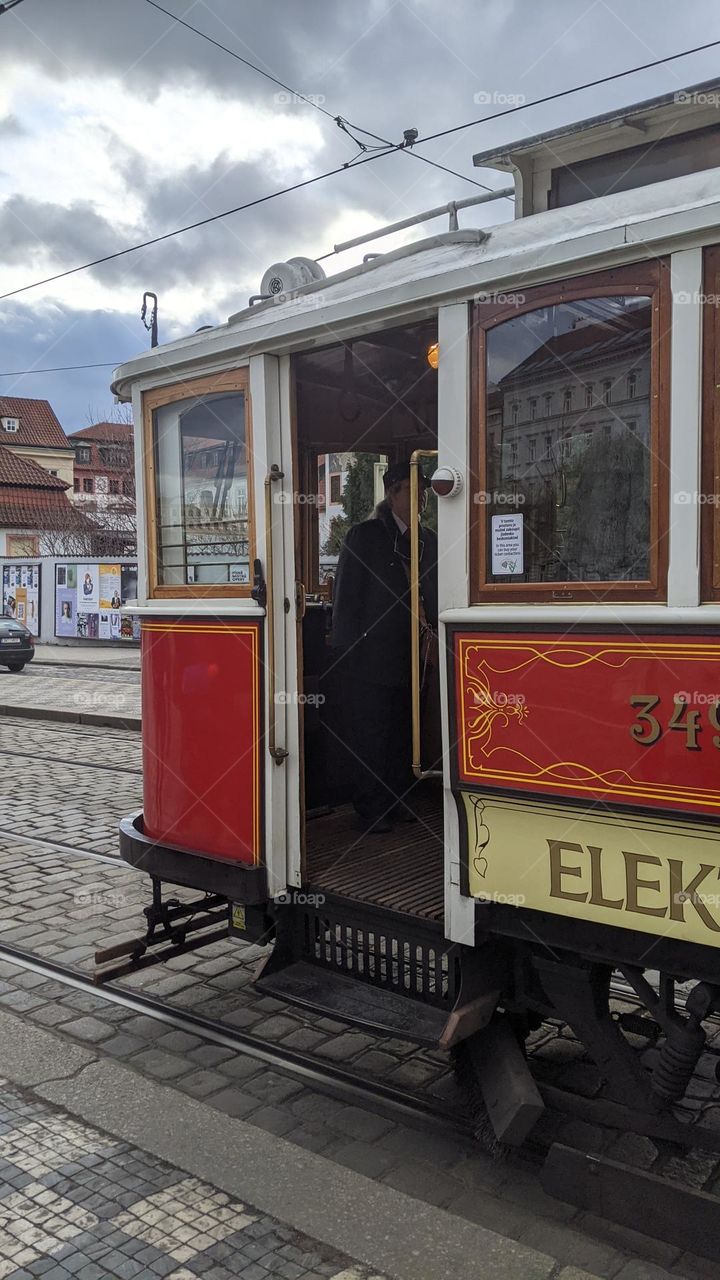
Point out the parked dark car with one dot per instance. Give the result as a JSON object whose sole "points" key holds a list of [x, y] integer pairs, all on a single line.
{"points": [[17, 645]]}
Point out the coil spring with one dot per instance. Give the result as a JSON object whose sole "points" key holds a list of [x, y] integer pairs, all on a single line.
{"points": [[677, 1060]]}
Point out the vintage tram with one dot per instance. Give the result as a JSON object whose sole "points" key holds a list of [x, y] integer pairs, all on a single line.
{"points": [[559, 375]]}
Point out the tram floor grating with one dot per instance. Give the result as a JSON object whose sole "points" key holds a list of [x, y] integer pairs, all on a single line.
{"points": [[399, 870]]}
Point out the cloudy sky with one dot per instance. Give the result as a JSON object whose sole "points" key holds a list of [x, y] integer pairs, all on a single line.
{"points": [[117, 124]]}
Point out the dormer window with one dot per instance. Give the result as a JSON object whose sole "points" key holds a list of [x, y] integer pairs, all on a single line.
{"points": [[10, 425]]}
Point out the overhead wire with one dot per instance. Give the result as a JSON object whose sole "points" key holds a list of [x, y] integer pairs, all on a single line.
{"points": [[342, 123], [297, 186], [564, 93], [58, 368], [191, 226]]}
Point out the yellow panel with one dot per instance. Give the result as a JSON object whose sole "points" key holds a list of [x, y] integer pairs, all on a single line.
{"points": [[657, 876]]}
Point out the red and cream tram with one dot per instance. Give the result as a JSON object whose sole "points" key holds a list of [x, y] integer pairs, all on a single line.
{"points": [[559, 373]]}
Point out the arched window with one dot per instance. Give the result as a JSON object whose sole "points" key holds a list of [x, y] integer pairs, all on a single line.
{"points": [[582, 524]]}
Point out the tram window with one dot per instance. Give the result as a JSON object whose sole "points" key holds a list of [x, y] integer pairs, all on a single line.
{"points": [[201, 491], [579, 516]]}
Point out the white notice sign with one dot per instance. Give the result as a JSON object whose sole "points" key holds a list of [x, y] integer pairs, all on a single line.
{"points": [[506, 536]]}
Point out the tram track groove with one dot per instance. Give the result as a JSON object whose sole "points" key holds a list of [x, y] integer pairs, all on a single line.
{"points": [[58, 846], [327, 1077], [75, 764]]}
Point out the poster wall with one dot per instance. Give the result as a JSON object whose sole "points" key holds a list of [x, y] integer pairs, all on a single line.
{"points": [[88, 599], [21, 594]]}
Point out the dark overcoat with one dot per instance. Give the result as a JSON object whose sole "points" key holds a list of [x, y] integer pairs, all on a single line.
{"points": [[371, 603]]}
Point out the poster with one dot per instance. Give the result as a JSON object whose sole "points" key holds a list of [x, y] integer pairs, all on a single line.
{"points": [[21, 604], [65, 612], [506, 542], [239, 573], [109, 588], [128, 582], [21, 594], [88, 588], [88, 600]]}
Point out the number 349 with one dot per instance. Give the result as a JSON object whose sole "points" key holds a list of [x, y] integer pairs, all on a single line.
{"points": [[684, 719]]}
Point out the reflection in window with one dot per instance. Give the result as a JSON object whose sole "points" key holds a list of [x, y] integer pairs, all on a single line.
{"points": [[533, 408], [202, 490], [567, 401], [583, 506]]}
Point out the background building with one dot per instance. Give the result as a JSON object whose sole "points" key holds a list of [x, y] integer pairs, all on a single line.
{"points": [[104, 481], [31, 429], [36, 515]]}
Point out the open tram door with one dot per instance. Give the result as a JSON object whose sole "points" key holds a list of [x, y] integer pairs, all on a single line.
{"points": [[360, 905]]}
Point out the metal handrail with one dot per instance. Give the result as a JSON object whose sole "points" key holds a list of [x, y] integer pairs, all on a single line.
{"points": [[415, 613], [278, 753]]}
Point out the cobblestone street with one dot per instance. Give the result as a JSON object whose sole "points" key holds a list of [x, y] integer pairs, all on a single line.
{"points": [[77, 1203], [64, 787]]}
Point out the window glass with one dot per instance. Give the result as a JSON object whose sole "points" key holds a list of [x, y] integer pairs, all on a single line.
{"points": [[579, 508], [202, 490]]}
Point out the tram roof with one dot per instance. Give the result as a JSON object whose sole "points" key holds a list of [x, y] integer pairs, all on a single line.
{"points": [[704, 96], [415, 280]]}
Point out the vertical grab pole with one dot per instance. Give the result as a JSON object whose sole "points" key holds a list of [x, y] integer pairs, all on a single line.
{"points": [[415, 610], [278, 753]]}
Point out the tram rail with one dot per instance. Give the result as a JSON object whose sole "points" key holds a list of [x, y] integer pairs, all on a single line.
{"points": [[76, 764], [396, 1103]]}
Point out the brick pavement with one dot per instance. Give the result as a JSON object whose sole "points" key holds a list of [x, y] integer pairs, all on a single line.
{"points": [[108, 656], [75, 1202], [62, 908], [54, 785], [48, 691]]}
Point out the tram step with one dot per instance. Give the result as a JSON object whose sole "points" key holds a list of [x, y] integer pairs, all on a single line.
{"points": [[356, 1002]]}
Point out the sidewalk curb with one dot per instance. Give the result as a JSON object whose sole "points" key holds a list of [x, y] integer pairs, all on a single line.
{"points": [[71, 665], [371, 1222], [72, 717]]}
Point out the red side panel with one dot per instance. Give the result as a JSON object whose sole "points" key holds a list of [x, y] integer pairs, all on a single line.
{"points": [[616, 717], [201, 735]]}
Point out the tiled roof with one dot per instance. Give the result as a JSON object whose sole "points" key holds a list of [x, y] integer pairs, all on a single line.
{"points": [[19, 472], [105, 433], [38, 424], [42, 510]]}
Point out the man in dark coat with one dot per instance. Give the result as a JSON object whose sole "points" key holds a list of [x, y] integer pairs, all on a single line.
{"points": [[371, 633]]}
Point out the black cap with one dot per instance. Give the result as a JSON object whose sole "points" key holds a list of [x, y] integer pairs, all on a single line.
{"points": [[399, 471]]}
